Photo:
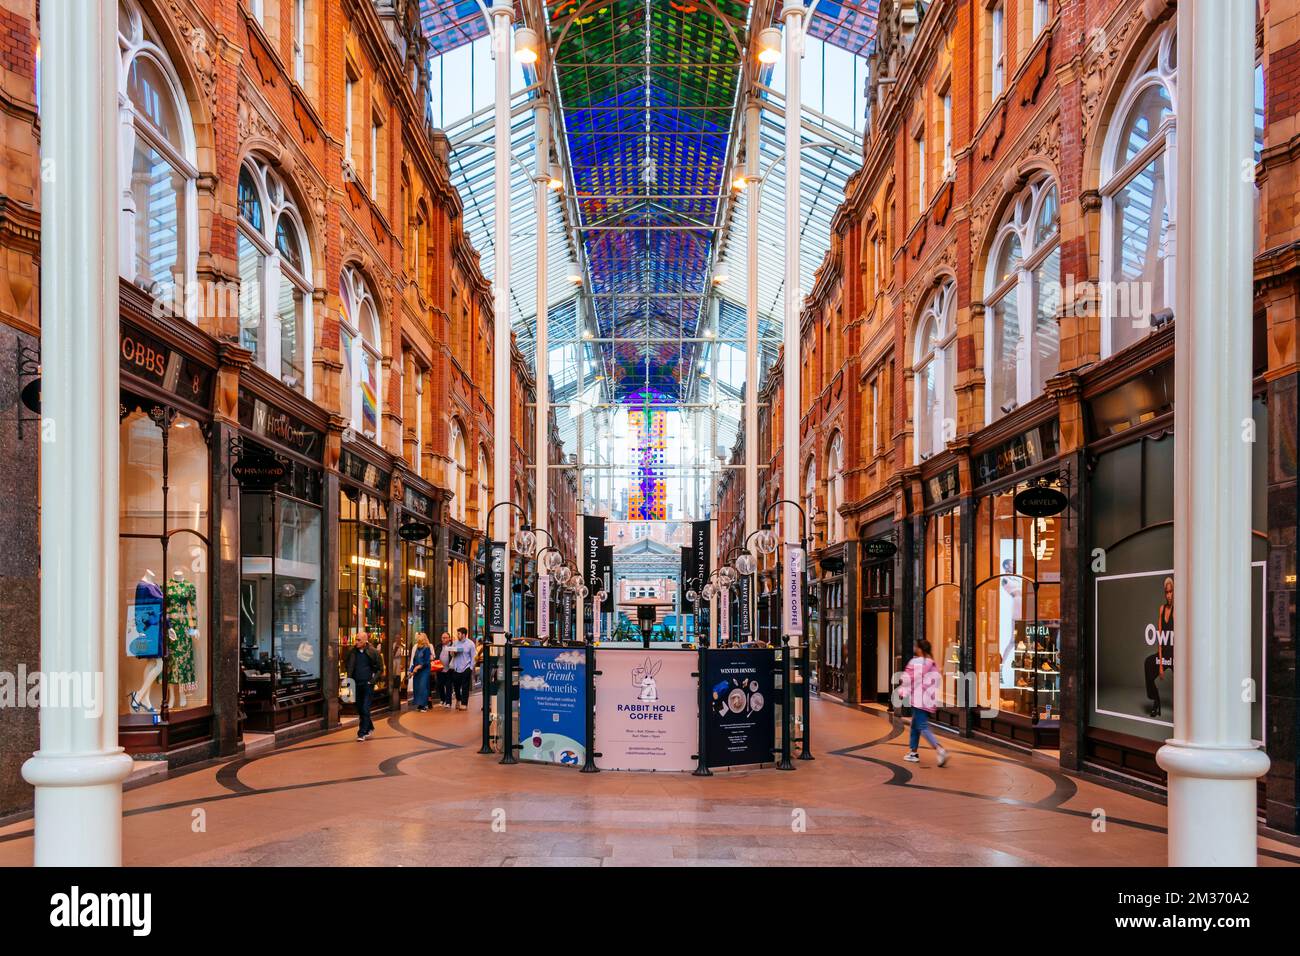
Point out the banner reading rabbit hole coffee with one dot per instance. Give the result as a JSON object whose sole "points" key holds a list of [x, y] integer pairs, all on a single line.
{"points": [[552, 697], [740, 726], [647, 705]]}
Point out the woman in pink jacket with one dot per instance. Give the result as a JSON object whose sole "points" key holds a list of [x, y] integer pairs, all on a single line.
{"points": [[920, 689]]}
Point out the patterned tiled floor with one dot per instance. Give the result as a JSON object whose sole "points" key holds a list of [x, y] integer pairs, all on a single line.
{"points": [[418, 794]]}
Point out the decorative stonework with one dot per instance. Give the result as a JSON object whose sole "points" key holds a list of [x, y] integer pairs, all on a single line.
{"points": [[250, 123], [1103, 49], [1047, 142], [201, 53]]}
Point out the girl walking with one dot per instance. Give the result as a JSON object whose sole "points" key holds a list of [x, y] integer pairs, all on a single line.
{"points": [[919, 688]]}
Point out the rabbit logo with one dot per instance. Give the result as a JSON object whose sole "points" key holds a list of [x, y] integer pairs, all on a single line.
{"points": [[644, 677]]}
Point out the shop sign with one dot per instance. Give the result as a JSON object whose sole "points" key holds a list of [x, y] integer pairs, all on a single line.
{"points": [[792, 583], [688, 572], [31, 395], [496, 596], [942, 486], [566, 616], [700, 545], [413, 500], [1041, 502], [414, 531], [552, 705], [266, 421], [146, 358], [593, 539], [607, 578], [257, 468], [1029, 448], [740, 725], [879, 549], [363, 472]]}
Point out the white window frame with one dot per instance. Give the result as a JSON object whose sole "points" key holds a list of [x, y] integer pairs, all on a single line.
{"points": [[274, 197], [299, 41], [1020, 224], [941, 309], [948, 169], [835, 488], [1157, 60], [997, 25], [922, 196], [459, 480], [1041, 13], [374, 158], [349, 86], [141, 40], [360, 297]]}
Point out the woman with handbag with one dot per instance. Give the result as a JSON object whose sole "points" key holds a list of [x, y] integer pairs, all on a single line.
{"points": [[441, 670], [421, 672]]}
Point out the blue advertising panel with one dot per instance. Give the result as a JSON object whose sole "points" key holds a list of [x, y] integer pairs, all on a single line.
{"points": [[552, 695]]}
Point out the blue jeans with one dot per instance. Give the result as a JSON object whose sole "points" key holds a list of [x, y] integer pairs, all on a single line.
{"points": [[921, 728]]}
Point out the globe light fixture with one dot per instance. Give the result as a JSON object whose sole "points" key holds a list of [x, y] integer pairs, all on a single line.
{"points": [[745, 563], [765, 541], [527, 45], [692, 595], [553, 560], [769, 46], [562, 574], [707, 592], [526, 542]]}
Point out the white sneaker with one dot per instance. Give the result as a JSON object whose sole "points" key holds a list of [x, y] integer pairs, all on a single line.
{"points": [[913, 757], [943, 757]]}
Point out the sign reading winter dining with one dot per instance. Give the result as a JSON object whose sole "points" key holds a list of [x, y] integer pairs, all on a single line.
{"points": [[552, 702], [740, 726], [647, 707]]}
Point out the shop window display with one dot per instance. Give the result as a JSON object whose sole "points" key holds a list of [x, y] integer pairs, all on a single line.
{"points": [[1017, 608], [363, 576], [164, 662], [419, 568], [943, 599], [280, 587]]}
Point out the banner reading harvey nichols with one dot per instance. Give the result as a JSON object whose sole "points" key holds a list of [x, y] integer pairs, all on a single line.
{"points": [[740, 727], [647, 707], [552, 698], [496, 596]]}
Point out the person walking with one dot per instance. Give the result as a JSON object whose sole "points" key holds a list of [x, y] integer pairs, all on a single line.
{"points": [[461, 665], [919, 689], [444, 671], [421, 672], [363, 666]]}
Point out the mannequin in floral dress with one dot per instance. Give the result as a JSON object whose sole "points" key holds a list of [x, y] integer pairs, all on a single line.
{"points": [[182, 627]]}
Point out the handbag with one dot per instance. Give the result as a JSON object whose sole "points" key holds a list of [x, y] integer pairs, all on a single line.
{"points": [[437, 666]]}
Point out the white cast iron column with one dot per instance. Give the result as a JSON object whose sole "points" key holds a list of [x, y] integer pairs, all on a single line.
{"points": [[542, 410], [791, 383], [502, 16], [1212, 764], [78, 771], [753, 116]]}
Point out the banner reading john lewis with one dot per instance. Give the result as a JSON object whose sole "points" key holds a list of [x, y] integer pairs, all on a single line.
{"points": [[740, 727], [552, 697], [647, 704]]}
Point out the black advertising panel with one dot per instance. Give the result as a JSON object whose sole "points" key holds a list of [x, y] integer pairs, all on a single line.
{"points": [[688, 574], [257, 468], [496, 592], [266, 421], [700, 547], [607, 575], [879, 549], [1041, 502], [148, 359], [352, 465], [411, 530], [566, 615], [740, 725], [593, 539], [745, 622]]}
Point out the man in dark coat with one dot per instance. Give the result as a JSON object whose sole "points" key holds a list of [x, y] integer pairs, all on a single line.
{"points": [[363, 666]]}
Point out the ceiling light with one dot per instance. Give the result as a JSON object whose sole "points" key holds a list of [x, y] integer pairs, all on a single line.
{"points": [[708, 333], [739, 183], [526, 45], [720, 278], [769, 45], [556, 183], [575, 277]]}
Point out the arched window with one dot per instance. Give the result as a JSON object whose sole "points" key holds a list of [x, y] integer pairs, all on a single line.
{"points": [[157, 234], [935, 371], [459, 469], [359, 335], [275, 302], [810, 494], [483, 486], [1022, 293], [1138, 169], [835, 489]]}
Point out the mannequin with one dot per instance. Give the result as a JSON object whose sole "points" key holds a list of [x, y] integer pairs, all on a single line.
{"points": [[182, 629], [144, 638]]}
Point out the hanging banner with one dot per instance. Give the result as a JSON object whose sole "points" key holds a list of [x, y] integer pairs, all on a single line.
{"points": [[740, 727], [596, 607], [701, 556], [552, 702], [791, 582], [647, 710], [566, 616], [688, 576], [746, 621], [496, 592], [607, 576], [593, 540], [544, 607], [724, 612]]}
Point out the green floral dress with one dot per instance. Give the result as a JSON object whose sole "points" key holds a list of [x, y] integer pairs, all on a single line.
{"points": [[182, 625]]}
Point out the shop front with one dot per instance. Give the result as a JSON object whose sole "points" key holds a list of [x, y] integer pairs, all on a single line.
{"points": [[165, 702], [278, 468], [1016, 571], [1131, 651], [837, 659], [941, 560], [876, 632], [365, 560], [416, 530], [464, 601]]}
